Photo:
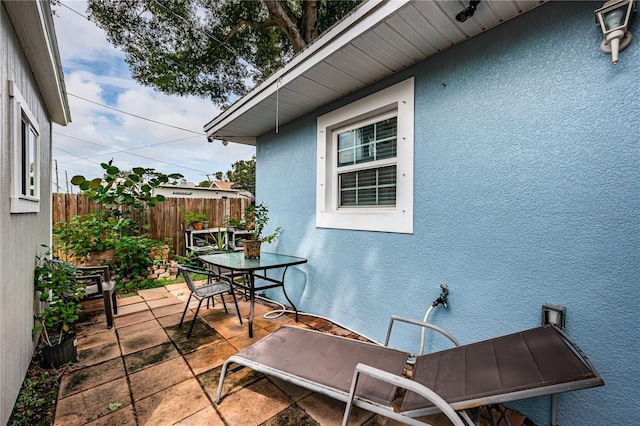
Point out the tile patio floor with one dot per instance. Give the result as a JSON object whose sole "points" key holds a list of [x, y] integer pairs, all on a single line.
{"points": [[144, 371]]}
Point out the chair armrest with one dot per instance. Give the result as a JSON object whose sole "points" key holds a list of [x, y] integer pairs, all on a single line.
{"points": [[419, 324], [403, 382]]}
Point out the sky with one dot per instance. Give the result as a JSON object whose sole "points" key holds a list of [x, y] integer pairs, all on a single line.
{"points": [[95, 73]]}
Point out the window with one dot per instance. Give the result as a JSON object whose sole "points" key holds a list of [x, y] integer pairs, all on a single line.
{"points": [[365, 163], [25, 172]]}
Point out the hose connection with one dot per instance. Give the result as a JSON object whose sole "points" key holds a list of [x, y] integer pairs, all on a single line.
{"points": [[443, 298]]}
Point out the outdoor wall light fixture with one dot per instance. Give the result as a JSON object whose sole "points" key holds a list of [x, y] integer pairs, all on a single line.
{"points": [[613, 18], [468, 11], [554, 314]]}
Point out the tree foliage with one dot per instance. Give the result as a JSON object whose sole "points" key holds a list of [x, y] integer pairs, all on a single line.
{"points": [[212, 48]]}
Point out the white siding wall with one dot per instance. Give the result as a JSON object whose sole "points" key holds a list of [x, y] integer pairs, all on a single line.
{"points": [[21, 235]]}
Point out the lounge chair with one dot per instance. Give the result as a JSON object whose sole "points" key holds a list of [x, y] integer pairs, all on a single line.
{"points": [[535, 362]]}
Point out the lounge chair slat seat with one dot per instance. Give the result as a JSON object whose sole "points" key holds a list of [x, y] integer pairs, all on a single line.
{"points": [[497, 369], [326, 359]]}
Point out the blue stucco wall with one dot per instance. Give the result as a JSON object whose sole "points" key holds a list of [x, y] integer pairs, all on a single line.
{"points": [[527, 191]]}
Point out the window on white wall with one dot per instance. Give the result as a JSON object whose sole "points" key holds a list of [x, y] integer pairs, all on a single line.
{"points": [[25, 166], [365, 163]]}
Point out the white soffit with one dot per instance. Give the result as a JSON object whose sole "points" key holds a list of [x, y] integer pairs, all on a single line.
{"points": [[376, 40]]}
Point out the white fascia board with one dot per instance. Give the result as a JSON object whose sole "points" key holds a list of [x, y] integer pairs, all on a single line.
{"points": [[359, 21]]}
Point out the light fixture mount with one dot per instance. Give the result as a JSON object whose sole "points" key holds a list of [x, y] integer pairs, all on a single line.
{"points": [[614, 17]]}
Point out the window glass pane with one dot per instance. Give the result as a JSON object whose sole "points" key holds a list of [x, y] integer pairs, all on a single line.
{"points": [[371, 187], [387, 129], [24, 159], [31, 167], [368, 143], [346, 140]]}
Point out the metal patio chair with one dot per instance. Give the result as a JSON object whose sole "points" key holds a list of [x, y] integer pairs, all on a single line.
{"points": [[217, 284]]}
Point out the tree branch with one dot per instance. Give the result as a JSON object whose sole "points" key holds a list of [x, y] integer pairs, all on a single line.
{"points": [[246, 23], [309, 22], [286, 21]]}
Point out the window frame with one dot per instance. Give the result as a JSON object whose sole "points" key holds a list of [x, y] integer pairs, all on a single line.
{"points": [[21, 119], [398, 101]]}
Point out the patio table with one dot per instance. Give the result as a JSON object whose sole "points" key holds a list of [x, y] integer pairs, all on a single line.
{"points": [[238, 265]]}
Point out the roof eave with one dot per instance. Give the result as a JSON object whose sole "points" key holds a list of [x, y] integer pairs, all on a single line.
{"points": [[34, 27]]}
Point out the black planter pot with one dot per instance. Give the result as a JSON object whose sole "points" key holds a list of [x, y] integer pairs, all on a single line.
{"points": [[61, 353]]}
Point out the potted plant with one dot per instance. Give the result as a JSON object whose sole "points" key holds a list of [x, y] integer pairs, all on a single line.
{"points": [[60, 291], [195, 219], [257, 217]]}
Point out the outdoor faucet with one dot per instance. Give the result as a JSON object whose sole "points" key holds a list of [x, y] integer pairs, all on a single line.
{"points": [[443, 297]]}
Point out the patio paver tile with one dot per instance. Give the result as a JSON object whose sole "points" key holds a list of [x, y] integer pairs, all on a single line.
{"points": [[126, 301], [98, 354], [294, 392], [266, 401], [143, 340], [176, 286], [201, 337], [172, 404], [292, 415], [207, 416], [87, 378], [122, 320], [153, 293], [91, 404], [131, 309], [169, 300], [164, 311], [244, 341], [139, 327], [158, 377], [102, 337], [170, 320], [147, 357], [122, 416], [210, 357], [329, 411], [88, 328], [235, 380]]}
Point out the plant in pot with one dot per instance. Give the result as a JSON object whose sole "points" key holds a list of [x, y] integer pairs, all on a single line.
{"points": [[257, 218], [195, 219], [61, 292]]}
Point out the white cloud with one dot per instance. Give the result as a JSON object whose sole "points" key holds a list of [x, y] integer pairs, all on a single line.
{"points": [[95, 71]]}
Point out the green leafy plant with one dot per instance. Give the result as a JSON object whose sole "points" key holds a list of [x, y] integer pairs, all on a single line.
{"points": [[192, 217], [133, 255], [37, 394], [257, 217], [61, 292], [233, 222], [97, 231], [220, 240], [125, 192]]}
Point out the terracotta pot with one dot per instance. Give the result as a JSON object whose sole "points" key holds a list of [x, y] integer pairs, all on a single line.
{"points": [[251, 248], [198, 225]]}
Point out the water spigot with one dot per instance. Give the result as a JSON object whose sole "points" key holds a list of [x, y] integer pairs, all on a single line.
{"points": [[442, 299]]}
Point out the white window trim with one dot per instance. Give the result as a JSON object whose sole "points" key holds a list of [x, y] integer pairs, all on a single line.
{"points": [[398, 98], [22, 203]]}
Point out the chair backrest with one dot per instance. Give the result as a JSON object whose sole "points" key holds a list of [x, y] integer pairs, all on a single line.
{"points": [[186, 273]]}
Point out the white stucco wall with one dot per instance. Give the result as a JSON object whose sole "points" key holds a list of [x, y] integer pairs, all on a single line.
{"points": [[21, 235]]}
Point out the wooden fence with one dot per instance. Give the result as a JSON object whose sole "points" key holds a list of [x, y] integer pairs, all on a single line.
{"points": [[166, 220]]}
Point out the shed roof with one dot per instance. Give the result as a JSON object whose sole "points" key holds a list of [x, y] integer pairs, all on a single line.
{"points": [[376, 40]]}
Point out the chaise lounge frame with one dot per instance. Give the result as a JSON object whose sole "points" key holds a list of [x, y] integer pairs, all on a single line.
{"points": [[530, 363]]}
